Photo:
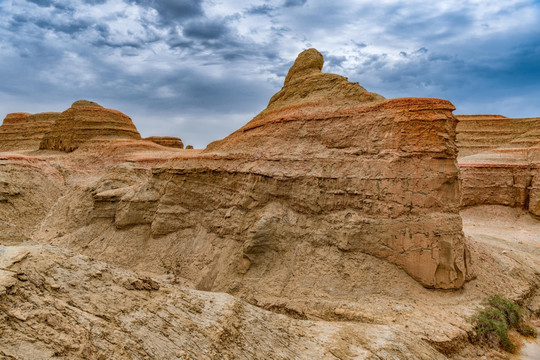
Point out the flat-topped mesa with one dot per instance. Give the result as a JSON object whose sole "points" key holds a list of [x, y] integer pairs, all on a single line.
{"points": [[88, 121], [168, 141], [24, 131]]}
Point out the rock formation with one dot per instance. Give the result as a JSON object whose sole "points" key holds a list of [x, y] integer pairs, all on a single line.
{"points": [[334, 208], [480, 133], [169, 141], [28, 189], [500, 161], [87, 121], [327, 174], [23, 131], [56, 304]]}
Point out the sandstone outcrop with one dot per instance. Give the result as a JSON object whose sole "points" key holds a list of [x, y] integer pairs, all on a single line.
{"points": [[326, 175], [24, 131], [28, 189], [169, 141], [87, 121], [500, 161], [56, 304]]}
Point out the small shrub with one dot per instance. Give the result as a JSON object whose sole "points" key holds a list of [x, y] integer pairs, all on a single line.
{"points": [[500, 315]]}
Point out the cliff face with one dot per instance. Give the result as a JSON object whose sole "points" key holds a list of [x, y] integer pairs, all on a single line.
{"points": [[28, 189], [24, 131], [327, 175], [500, 161], [87, 121]]}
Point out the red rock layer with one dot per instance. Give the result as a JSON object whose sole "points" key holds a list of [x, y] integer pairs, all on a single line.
{"points": [[80, 124], [169, 141], [24, 131], [502, 167]]}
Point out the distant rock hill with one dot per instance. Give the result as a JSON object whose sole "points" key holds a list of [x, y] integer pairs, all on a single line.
{"points": [[169, 141], [84, 121], [87, 121]]}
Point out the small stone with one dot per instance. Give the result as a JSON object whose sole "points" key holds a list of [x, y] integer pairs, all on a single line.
{"points": [[55, 286]]}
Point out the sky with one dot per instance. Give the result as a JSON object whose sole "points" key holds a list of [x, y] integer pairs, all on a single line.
{"points": [[200, 69]]}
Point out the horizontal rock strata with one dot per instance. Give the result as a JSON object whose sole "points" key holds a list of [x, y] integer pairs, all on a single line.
{"points": [[480, 133], [24, 131], [169, 141], [500, 161], [86, 121]]}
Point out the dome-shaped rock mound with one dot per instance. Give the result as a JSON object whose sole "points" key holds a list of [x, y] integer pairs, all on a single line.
{"points": [[168, 141], [24, 131], [87, 121], [81, 103]]}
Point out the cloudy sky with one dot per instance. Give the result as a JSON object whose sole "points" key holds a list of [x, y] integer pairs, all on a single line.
{"points": [[200, 69]]}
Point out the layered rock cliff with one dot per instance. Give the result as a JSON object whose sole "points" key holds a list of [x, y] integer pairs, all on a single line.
{"points": [[87, 121], [332, 204], [500, 161], [24, 131], [480, 133]]}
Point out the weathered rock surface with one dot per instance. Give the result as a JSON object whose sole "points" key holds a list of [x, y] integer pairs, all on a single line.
{"points": [[500, 161], [316, 181], [24, 131], [317, 209], [57, 304], [480, 133], [54, 304], [87, 121], [169, 141], [28, 189]]}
